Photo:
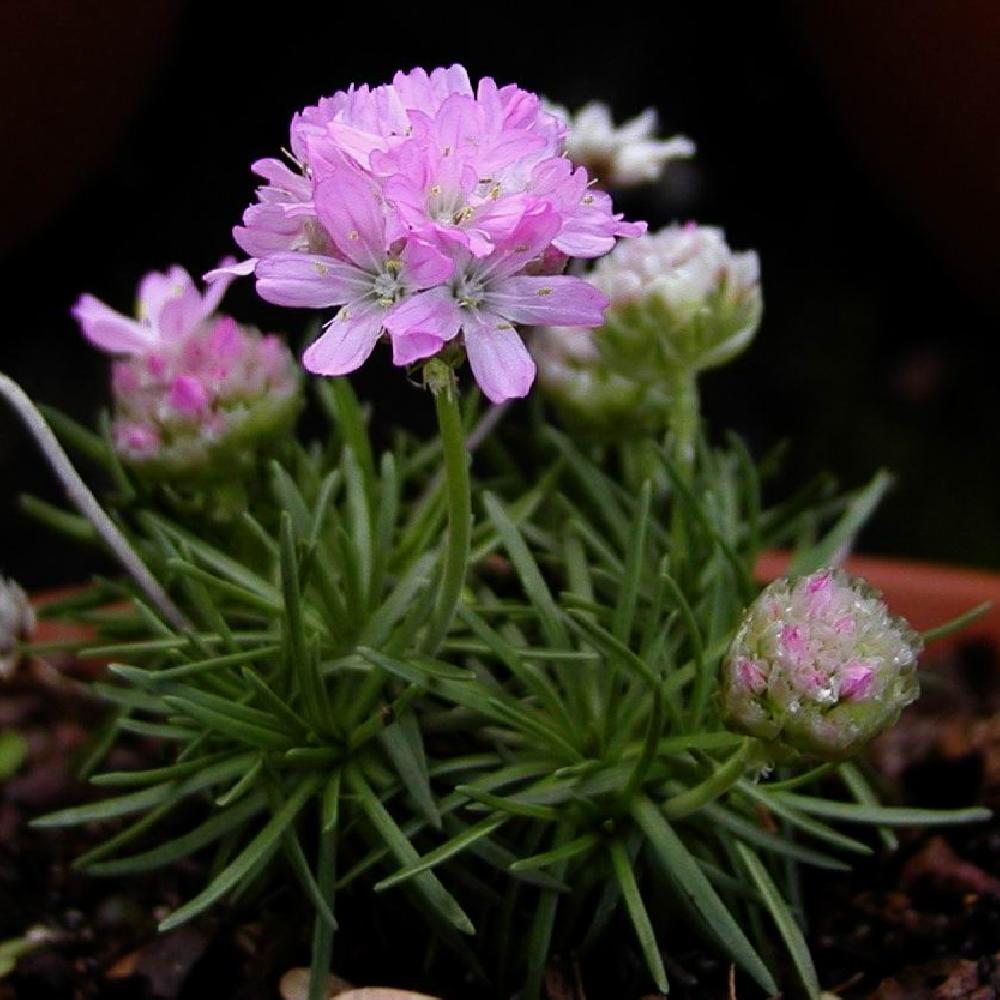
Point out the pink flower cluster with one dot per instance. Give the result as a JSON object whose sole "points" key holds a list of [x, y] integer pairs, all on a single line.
{"points": [[427, 210], [820, 664], [191, 380]]}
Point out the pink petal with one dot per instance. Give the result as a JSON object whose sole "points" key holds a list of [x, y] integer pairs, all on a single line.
{"points": [[189, 396], [157, 289], [346, 342], [355, 142], [311, 281], [109, 330], [181, 311], [856, 681], [550, 300], [226, 272], [216, 289], [349, 209], [421, 324], [500, 362], [527, 240], [414, 346], [424, 265]]}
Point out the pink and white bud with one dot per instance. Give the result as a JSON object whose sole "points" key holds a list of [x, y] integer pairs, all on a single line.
{"points": [[819, 665], [681, 302], [17, 622]]}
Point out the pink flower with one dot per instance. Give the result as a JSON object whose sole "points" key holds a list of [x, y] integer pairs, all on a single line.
{"points": [[489, 295], [190, 380], [369, 280], [427, 210], [170, 307]]}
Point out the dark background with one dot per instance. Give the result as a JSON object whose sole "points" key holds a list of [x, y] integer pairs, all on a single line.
{"points": [[854, 144]]}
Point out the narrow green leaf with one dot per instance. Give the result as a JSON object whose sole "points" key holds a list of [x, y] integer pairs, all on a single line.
{"points": [[426, 883], [359, 517], [146, 798], [293, 722], [228, 724], [851, 812], [56, 519], [77, 437], [456, 845], [858, 786], [632, 577], [565, 852], [330, 803], [527, 570], [263, 846], [167, 853], [745, 829], [405, 747], [798, 819], [683, 872], [783, 920], [385, 525], [622, 866], [956, 624], [154, 775], [839, 539]]}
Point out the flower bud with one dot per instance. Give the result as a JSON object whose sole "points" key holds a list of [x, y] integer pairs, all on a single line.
{"points": [[681, 302], [195, 405], [819, 665], [589, 395], [17, 621]]}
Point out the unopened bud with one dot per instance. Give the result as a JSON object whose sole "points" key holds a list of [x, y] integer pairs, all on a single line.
{"points": [[819, 665]]}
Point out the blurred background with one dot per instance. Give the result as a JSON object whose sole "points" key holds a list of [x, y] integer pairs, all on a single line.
{"points": [[856, 145]]}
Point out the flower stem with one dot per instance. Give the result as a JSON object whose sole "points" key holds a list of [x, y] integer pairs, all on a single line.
{"points": [[85, 501], [684, 417], [716, 784], [441, 380]]}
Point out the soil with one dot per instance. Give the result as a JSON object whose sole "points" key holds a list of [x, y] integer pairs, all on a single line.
{"points": [[920, 924]]}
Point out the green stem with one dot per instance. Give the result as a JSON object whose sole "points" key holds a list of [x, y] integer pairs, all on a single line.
{"points": [[683, 418], [456, 469], [716, 784]]}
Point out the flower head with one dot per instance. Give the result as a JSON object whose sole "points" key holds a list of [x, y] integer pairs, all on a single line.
{"points": [[427, 210], [17, 621], [193, 386], [622, 155], [819, 665], [681, 300]]}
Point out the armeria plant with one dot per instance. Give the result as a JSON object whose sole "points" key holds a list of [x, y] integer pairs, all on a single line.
{"points": [[528, 691]]}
